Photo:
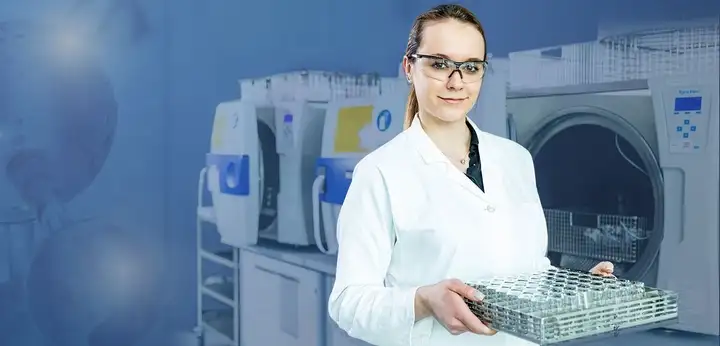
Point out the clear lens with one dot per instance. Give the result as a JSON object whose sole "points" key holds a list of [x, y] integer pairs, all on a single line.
{"points": [[440, 69]]}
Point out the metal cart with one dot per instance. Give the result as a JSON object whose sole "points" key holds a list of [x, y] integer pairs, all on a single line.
{"points": [[218, 319]]}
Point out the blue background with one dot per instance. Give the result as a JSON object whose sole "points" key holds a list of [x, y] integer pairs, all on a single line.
{"points": [[169, 63]]}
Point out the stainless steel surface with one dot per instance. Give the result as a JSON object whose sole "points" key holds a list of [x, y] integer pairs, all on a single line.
{"points": [[611, 87], [558, 306]]}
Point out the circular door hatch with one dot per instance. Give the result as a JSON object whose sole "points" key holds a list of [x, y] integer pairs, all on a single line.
{"points": [[602, 191], [269, 185]]}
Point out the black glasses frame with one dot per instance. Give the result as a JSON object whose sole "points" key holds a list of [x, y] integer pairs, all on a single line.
{"points": [[458, 65]]}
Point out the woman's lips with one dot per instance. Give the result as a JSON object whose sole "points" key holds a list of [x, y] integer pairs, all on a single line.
{"points": [[452, 101]]}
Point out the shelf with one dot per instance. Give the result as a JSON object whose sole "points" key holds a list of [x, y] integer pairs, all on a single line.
{"points": [[218, 327], [224, 258], [221, 327], [206, 214], [222, 292]]}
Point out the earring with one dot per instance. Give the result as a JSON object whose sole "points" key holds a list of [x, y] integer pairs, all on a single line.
{"points": [[408, 79]]}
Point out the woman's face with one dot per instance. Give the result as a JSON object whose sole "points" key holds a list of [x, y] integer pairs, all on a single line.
{"points": [[447, 99]]}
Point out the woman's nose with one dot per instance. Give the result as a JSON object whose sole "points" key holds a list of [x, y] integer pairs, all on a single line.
{"points": [[455, 80]]}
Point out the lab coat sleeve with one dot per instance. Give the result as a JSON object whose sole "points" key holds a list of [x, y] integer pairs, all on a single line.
{"points": [[359, 302], [542, 261]]}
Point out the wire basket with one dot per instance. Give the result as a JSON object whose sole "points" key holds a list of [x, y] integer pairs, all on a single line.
{"points": [[558, 305], [598, 236], [319, 86], [669, 49]]}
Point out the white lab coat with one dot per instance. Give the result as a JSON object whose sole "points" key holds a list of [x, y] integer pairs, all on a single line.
{"points": [[412, 219]]}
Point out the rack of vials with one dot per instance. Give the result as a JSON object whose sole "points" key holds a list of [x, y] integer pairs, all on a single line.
{"points": [[560, 306]]}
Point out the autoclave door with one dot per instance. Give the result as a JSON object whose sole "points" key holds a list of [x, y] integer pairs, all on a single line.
{"points": [[233, 172], [598, 178]]}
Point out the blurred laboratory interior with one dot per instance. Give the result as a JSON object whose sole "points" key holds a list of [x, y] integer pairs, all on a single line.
{"points": [[173, 170]]}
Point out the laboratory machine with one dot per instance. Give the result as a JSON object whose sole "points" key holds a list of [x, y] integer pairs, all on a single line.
{"points": [[490, 111], [359, 126], [260, 168], [353, 128], [626, 159]]}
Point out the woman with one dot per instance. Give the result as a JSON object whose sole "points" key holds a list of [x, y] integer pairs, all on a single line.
{"points": [[440, 204]]}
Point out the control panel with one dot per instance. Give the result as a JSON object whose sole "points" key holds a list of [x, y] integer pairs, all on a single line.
{"points": [[687, 120], [685, 110], [687, 115], [287, 118]]}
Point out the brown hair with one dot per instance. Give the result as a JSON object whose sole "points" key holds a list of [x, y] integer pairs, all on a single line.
{"points": [[437, 13]]}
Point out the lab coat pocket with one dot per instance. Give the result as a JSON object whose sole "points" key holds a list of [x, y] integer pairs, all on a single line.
{"points": [[426, 211], [428, 223], [425, 231], [426, 255]]}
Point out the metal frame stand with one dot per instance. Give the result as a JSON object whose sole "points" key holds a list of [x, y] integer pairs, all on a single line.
{"points": [[216, 327]]}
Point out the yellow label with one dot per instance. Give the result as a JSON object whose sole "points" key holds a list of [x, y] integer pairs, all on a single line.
{"points": [[349, 123], [218, 131]]}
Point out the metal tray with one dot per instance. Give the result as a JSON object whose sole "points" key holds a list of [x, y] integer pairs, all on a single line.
{"points": [[560, 306]]}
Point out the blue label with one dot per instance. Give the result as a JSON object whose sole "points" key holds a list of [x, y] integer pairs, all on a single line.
{"points": [[288, 118], [234, 173], [337, 178], [383, 121]]}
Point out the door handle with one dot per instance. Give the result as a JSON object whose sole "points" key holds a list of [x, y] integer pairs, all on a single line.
{"points": [[511, 128]]}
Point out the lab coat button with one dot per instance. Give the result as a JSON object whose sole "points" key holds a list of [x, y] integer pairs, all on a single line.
{"points": [[489, 209]]}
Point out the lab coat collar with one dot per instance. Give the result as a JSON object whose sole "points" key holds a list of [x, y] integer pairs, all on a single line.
{"points": [[424, 145], [432, 155], [429, 151]]}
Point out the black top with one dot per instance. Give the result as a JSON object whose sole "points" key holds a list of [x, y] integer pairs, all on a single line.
{"points": [[474, 171]]}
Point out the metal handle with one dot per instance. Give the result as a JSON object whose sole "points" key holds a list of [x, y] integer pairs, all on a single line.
{"points": [[201, 186], [511, 127]]}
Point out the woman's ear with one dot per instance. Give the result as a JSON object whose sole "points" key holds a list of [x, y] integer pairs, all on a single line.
{"points": [[407, 68]]}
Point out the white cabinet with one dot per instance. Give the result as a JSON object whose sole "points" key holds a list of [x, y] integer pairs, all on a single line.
{"points": [[335, 335], [282, 303]]}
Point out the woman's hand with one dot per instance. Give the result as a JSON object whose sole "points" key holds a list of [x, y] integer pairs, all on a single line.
{"points": [[603, 269], [444, 301]]}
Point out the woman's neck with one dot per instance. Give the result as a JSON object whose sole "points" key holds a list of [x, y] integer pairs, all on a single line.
{"points": [[452, 138]]}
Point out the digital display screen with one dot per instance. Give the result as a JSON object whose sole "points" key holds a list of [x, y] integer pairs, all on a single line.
{"points": [[688, 104]]}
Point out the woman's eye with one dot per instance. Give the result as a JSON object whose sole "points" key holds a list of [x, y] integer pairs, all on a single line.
{"points": [[471, 68], [439, 65]]}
